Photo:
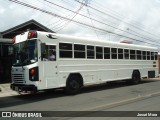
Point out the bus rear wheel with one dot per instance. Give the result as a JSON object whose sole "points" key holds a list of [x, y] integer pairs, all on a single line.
{"points": [[73, 85], [136, 78]]}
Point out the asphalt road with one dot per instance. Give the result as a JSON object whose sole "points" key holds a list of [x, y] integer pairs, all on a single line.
{"points": [[117, 96]]}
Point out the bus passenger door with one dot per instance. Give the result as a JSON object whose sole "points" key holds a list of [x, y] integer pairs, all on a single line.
{"points": [[48, 68]]}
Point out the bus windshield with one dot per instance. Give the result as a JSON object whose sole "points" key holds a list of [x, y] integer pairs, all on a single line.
{"points": [[25, 53]]}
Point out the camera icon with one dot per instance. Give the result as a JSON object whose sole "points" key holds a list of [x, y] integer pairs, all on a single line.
{"points": [[6, 114]]}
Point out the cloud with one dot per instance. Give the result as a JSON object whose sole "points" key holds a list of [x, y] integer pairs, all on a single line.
{"points": [[12, 15], [143, 14], [2, 10]]}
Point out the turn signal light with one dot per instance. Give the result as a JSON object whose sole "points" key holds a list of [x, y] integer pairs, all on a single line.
{"points": [[32, 72]]}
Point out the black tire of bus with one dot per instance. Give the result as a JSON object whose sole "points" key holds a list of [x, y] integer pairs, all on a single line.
{"points": [[73, 85], [136, 78]]}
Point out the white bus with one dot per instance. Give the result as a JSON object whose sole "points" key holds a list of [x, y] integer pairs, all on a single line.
{"points": [[77, 62]]}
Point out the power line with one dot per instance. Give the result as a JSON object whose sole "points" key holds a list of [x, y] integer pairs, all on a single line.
{"points": [[122, 16], [97, 20], [81, 6], [59, 16], [59, 24], [92, 23], [116, 18]]}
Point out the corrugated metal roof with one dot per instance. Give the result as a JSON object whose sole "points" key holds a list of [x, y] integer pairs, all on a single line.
{"points": [[24, 25]]}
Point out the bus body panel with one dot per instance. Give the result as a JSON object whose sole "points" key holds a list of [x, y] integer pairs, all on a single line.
{"points": [[54, 74]]}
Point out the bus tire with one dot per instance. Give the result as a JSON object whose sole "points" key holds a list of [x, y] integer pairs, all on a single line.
{"points": [[136, 77], [73, 85]]}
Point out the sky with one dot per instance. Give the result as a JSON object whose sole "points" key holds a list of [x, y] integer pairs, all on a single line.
{"points": [[137, 19]]}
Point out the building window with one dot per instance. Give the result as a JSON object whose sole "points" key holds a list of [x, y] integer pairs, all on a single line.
{"points": [[107, 53], [79, 51], [99, 53], [114, 53], [120, 53], [10, 50], [90, 52], [65, 50], [1, 50], [6, 50]]}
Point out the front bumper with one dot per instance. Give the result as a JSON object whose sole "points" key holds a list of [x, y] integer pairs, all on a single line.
{"points": [[23, 88]]}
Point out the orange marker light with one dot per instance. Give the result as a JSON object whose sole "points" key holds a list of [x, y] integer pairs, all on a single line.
{"points": [[14, 40]]}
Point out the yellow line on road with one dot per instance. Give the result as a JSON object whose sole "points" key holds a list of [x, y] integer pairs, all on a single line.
{"points": [[110, 105]]}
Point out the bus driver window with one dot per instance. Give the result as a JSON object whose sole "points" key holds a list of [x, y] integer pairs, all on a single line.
{"points": [[49, 53], [52, 56]]}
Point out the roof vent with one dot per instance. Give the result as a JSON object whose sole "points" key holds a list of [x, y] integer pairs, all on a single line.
{"points": [[126, 41]]}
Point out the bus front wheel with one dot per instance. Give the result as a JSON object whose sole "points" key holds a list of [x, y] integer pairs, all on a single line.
{"points": [[73, 85]]}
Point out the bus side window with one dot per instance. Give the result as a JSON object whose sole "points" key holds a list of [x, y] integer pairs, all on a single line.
{"points": [[156, 56], [148, 55], [126, 53], [90, 52], [107, 53]]}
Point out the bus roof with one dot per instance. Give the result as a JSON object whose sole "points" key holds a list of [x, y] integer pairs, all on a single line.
{"points": [[88, 41], [96, 42]]}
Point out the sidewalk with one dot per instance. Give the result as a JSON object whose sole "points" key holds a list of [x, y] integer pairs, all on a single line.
{"points": [[6, 91]]}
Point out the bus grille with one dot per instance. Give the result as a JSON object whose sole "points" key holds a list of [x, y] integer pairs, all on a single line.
{"points": [[18, 78]]}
